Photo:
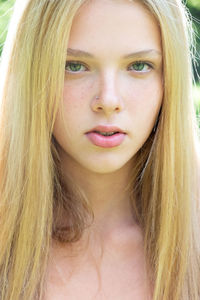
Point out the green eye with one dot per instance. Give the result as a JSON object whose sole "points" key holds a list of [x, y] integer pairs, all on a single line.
{"points": [[139, 67], [74, 67]]}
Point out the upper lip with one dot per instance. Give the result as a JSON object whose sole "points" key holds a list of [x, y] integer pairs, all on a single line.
{"points": [[107, 128]]}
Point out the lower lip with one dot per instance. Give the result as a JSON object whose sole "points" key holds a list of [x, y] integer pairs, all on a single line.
{"points": [[106, 141]]}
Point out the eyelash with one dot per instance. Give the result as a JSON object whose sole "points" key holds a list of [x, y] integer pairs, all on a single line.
{"points": [[150, 66], [76, 63]]}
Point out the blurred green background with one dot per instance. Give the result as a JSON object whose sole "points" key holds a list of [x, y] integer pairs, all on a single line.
{"points": [[6, 8]]}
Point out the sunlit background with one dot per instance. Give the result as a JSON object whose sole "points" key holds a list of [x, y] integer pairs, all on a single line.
{"points": [[6, 8]]}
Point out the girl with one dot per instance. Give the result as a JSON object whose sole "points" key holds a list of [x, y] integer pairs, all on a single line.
{"points": [[99, 152]]}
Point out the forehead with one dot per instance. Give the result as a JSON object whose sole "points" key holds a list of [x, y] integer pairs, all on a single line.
{"points": [[118, 26]]}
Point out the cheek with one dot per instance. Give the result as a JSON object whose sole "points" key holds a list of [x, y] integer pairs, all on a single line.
{"points": [[145, 97], [75, 104], [145, 100], [77, 93], [73, 97]]}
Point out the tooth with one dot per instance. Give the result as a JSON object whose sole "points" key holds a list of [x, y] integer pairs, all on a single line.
{"points": [[107, 133]]}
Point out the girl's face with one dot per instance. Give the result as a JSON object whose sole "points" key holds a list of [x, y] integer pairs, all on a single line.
{"points": [[113, 84]]}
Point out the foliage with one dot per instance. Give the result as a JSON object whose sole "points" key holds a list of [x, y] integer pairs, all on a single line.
{"points": [[196, 94], [194, 8], [6, 8], [194, 4]]}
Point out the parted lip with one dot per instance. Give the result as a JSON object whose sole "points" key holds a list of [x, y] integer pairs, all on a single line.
{"points": [[106, 128]]}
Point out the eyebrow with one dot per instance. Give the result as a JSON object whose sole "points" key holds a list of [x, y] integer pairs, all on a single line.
{"points": [[77, 52], [81, 53], [143, 53]]}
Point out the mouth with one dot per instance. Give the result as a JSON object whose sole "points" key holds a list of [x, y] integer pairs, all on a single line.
{"points": [[107, 130], [106, 133], [106, 136]]}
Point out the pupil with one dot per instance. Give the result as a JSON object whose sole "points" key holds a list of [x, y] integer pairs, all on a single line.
{"points": [[139, 66], [74, 67]]}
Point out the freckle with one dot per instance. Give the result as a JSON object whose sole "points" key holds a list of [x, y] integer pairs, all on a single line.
{"points": [[83, 93]]}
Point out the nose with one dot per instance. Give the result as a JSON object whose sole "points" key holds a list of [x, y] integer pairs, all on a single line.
{"points": [[108, 100]]}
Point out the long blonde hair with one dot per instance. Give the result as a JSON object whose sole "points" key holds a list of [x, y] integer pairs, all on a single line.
{"points": [[32, 196]]}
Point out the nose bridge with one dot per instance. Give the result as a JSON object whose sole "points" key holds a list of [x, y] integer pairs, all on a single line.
{"points": [[108, 87], [108, 99]]}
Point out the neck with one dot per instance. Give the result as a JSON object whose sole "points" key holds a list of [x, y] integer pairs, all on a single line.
{"points": [[108, 194]]}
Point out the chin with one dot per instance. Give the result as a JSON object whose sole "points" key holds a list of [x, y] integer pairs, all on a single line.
{"points": [[105, 167]]}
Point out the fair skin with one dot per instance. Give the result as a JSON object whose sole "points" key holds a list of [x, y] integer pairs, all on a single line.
{"points": [[120, 62]]}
